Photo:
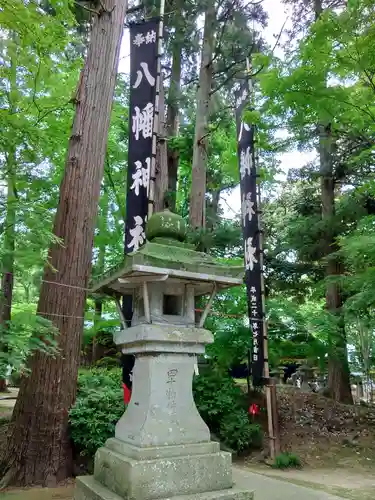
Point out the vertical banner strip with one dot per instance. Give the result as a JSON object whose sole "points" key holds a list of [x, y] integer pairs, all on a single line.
{"points": [[251, 233], [143, 89]]}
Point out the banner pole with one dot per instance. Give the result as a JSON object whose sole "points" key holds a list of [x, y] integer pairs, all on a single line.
{"points": [[270, 413], [151, 196]]}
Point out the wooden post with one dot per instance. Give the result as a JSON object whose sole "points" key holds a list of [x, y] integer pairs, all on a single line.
{"points": [[146, 302], [275, 416]]}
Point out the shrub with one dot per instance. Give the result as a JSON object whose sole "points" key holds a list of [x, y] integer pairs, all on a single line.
{"points": [[222, 404], [216, 395], [107, 362], [99, 378], [15, 379], [237, 432], [99, 405], [287, 461]]}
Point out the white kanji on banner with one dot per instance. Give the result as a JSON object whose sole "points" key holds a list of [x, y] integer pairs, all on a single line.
{"points": [[241, 98], [243, 126], [247, 208], [141, 176], [146, 72], [140, 38], [246, 162], [250, 258], [143, 121], [150, 37], [137, 233]]}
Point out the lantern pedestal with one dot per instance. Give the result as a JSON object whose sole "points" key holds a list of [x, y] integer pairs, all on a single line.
{"points": [[162, 447]]}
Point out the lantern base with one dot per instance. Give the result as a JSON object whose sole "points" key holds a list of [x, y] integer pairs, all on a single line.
{"points": [[88, 488]]}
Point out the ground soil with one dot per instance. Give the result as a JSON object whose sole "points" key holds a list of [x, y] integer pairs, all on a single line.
{"points": [[322, 433], [62, 493], [343, 483], [335, 443]]}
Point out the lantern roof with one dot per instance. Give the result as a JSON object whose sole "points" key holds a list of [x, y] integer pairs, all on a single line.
{"points": [[166, 257]]}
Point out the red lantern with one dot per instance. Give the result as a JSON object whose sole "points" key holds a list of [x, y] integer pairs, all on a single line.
{"points": [[127, 394], [253, 409]]}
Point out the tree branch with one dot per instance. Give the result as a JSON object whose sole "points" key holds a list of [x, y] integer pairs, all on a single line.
{"points": [[84, 7]]}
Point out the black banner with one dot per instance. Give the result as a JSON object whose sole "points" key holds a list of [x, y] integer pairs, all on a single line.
{"points": [[143, 77], [251, 234]]}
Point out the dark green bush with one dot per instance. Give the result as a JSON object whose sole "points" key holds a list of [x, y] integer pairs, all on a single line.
{"points": [[15, 379], [222, 404], [216, 395], [99, 378], [99, 405], [287, 460], [108, 362], [237, 432]]}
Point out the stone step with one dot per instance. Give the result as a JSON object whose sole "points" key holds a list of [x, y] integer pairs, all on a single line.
{"points": [[87, 488]]}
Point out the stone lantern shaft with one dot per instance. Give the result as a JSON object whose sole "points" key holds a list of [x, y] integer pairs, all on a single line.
{"points": [[162, 447]]}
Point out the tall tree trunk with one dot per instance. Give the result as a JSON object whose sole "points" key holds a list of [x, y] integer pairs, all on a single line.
{"points": [[9, 235], [161, 177], [7, 267], [198, 185], [213, 209], [338, 365], [173, 123], [38, 449]]}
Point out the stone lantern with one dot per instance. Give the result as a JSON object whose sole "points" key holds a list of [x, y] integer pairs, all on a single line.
{"points": [[162, 447], [307, 375]]}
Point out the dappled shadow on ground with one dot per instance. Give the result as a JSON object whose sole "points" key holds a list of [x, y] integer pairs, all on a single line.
{"points": [[61, 493]]}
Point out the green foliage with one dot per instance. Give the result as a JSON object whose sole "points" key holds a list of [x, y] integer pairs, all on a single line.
{"points": [[26, 334], [107, 362], [222, 404], [287, 461], [98, 408], [238, 433], [100, 379]]}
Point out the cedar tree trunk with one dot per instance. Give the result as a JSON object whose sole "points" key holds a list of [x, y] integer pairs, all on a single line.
{"points": [[173, 123], [198, 181], [161, 177], [338, 365], [9, 235], [38, 450]]}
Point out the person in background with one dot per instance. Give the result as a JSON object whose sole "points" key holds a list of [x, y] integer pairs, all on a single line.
{"points": [[127, 364]]}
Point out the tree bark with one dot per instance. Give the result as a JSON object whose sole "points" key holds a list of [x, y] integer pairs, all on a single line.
{"points": [[7, 279], [213, 209], [161, 177], [338, 365], [198, 184], [173, 116], [38, 449], [9, 235]]}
